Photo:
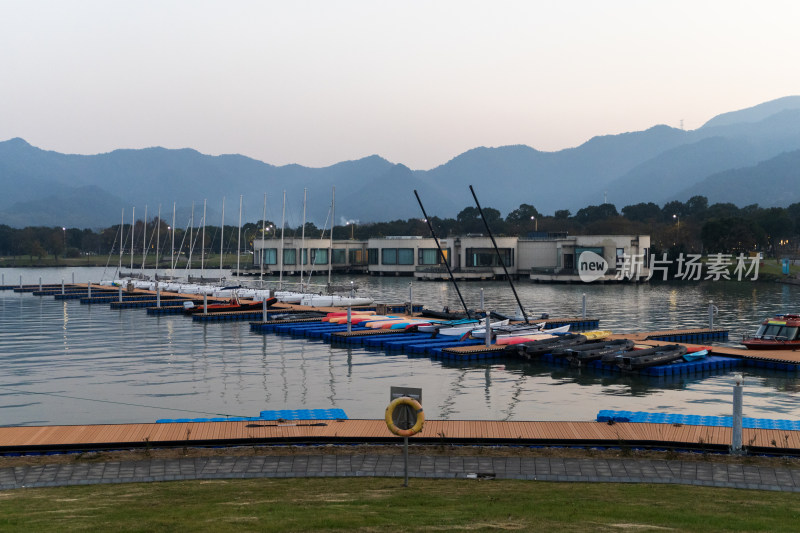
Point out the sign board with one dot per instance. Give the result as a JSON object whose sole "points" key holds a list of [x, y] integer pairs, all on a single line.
{"points": [[399, 392]]}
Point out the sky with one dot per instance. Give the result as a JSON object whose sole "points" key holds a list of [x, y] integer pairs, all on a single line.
{"points": [[416, 82]]}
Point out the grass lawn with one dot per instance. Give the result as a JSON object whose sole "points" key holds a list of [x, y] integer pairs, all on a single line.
{"points": [[380, 504]]}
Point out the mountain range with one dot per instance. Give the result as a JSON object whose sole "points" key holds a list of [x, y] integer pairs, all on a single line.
{"points": [[743, 157]]}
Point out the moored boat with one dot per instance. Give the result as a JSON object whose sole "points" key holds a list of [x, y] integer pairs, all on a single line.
{"points": [[586, 353], [530, 349], [660, 355], [782, 332]]}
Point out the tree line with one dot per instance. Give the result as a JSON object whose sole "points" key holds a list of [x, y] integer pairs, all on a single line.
{"points": [[693, 226]]}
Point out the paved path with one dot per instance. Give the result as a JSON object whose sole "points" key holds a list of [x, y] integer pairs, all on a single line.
{"points": [[622, 470]]}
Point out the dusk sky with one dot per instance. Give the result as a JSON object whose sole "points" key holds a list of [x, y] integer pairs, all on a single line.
{"points": [[318, 82]]}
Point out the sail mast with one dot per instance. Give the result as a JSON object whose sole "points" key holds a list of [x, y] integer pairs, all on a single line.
{"points": [[303, 254], [172, 248], [158, 237], [333, 223], [497, 251], [283, 225], [121, 242], [239, 240], [144, 238], [191, 242], [222, 238], [263, 242], [203, 245], [133, 225]]}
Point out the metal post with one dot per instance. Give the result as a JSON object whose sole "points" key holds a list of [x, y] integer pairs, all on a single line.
{"points": [[89, 288], [583, 307], [73, 278], [482, 304], [349, 319], [3, 282], [488, 338], [20, 281], [405, 460], [120, 293], [205, 304], [736, 437], [40, 284], [410, 299], [264, 309], [62, 286], [712, 310], [158, 294]]}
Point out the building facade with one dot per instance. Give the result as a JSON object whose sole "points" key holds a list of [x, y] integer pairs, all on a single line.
{"points": [[556, 258]]}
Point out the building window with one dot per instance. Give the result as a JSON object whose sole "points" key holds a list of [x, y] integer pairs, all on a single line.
{"points": [[487, 257], [620, 257], [357, 257], [405, 256], [372, 254], [319, 256], [289, 256], [430, 256], [389, 256], [270, 256], [339, 256]]}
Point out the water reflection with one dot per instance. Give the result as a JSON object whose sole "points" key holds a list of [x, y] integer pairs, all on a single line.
{"points": [[180, 367]]}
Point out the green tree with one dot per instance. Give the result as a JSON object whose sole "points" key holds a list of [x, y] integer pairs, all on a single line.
{"points": [[593, 213], [642, 212], [522, 219]]}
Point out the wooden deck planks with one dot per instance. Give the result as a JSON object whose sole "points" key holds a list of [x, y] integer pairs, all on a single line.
{"points": [[458, 430]]}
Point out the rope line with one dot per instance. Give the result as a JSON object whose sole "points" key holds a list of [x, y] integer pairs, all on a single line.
{"points": [[117, 403]]}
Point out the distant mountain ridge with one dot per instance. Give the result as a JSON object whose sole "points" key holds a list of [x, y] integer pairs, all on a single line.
{"points": [[721, 160]]}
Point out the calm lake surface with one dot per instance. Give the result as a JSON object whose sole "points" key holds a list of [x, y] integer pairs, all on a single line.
{"points": [[69, 363]]}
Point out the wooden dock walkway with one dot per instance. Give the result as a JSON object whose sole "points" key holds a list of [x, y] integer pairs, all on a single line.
{"points": [[264, 432]]}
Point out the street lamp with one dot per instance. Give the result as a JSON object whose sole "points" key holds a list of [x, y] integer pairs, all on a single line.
{"points": [[64, 231], [677, 228], [352, 227], [535, 223]]}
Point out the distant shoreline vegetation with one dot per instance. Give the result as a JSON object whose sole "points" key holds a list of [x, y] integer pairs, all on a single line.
{"points": [[676, 227]]}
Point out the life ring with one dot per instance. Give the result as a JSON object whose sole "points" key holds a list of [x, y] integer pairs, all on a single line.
{"points": [[415, 405]]}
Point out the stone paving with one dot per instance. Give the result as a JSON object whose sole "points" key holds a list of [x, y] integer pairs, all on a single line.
{"points": [[618, 470]]}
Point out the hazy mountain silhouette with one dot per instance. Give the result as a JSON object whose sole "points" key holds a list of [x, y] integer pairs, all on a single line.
{"points": [[659, 164]]}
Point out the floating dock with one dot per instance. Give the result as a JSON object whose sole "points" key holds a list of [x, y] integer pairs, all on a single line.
{"points": [[44, 439], [644, 417]]}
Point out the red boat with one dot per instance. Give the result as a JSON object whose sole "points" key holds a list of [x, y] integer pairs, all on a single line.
{"points": [[777, 333], [232, 305]]}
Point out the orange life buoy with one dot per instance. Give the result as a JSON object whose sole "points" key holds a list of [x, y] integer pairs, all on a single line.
{"points": [[415, 405]]}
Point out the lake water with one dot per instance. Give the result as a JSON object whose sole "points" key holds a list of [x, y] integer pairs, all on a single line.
{"points": [[69, 363]]}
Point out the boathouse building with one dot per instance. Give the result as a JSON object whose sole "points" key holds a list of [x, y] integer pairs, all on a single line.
{"points": [[540, 258]]}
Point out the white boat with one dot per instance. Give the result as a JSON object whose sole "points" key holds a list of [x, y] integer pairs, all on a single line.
{"points": [[289, 297], [519, 329], [333, 300], [460, 331], [554, 331]]}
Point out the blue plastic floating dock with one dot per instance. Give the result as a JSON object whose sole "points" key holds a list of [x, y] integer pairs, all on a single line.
{"points": [[695, 420], [283, 414]]}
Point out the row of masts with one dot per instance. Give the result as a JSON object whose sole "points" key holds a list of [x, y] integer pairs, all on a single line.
{"points": [[222, 241]]}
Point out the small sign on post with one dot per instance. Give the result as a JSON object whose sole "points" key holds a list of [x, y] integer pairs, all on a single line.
{"points": [[404, 417]]}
